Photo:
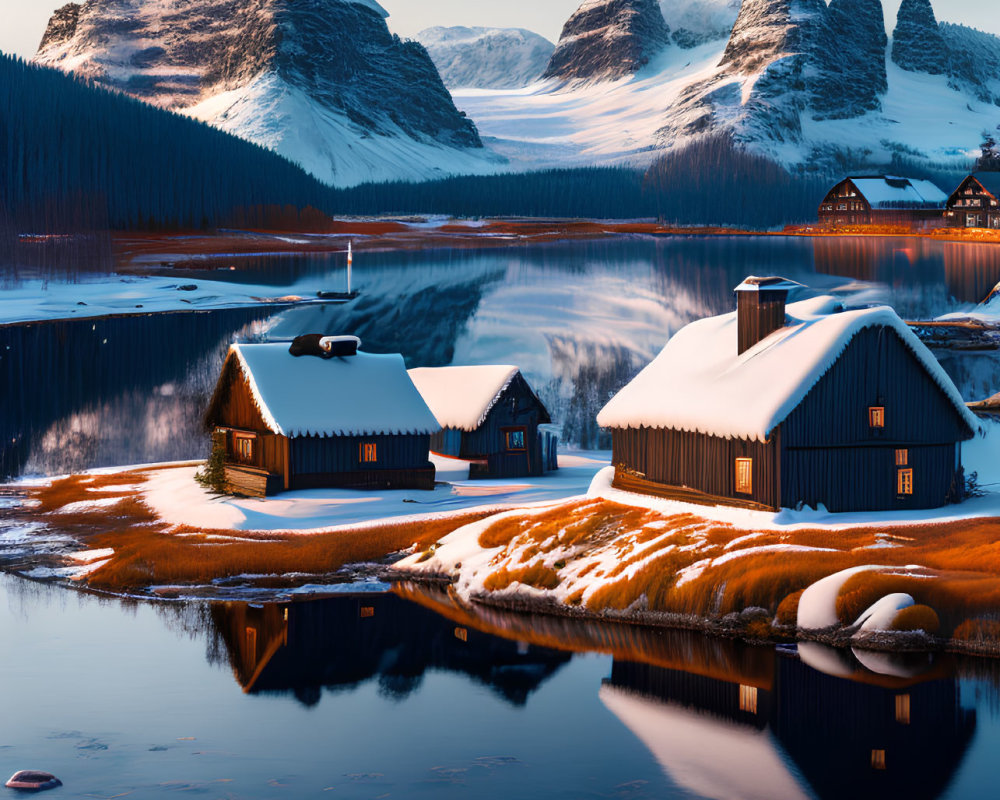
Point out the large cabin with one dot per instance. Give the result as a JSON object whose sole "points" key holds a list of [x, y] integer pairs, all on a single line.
{"points": [[782, 406], [491, 417], [976, 202], [883, 200], [319, 414]]}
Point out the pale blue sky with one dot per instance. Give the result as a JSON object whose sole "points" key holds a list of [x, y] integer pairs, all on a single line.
{"points": [[24, 20]]}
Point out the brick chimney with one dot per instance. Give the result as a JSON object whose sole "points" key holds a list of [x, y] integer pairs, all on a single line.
{"points": [[760, 309]]}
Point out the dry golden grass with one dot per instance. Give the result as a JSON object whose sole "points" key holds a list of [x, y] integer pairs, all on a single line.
{"points": [[537, 575], [917, 618], [788, 609]]}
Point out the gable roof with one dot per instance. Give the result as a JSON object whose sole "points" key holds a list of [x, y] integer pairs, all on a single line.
{"points": [[700, 384], [990, 181], [361, 395], [462, 397], [890, 191]]}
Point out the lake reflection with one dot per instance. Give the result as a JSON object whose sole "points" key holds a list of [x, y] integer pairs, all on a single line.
{"points": [[408, 694], [581, 318]]}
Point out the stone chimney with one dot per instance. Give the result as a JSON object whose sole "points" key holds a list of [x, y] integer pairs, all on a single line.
{"points": [[760, 309]]}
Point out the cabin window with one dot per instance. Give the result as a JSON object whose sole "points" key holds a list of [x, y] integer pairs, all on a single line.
{"points": [[368, 453], [243, 447], [876, 417], [902, 458], [878, 759], [514, 439], [748, 699], [251, 642], [744, 476], [903, 709], [842, 207], [904, 482]]}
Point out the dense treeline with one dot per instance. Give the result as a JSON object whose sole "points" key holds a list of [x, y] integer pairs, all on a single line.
{"points": [[77, 158]]}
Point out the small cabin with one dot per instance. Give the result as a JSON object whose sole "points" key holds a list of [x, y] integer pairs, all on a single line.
{"points": [[491, 417], [781, 406], [319, 414], [883, 200], [976, 202]]}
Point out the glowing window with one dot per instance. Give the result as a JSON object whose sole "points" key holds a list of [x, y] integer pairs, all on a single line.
{"points": [[876, 417], [904, 482], [369, 453], [902, 458], [748, 699], [878, 759], [744, 475], [903, 709], [243, 447]]}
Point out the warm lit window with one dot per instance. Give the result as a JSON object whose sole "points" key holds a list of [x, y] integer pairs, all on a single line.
{"points": [[243, 447], [903, 709], [462, 634], [369, 453], [902, 458], [515, 439], [367, 612], [744, 475], [748, 699], [876, 417], [878, 759], [904, 482], [251, 651]]}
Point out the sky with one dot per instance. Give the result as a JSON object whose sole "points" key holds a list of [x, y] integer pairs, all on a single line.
{"points": [[24, 20]]}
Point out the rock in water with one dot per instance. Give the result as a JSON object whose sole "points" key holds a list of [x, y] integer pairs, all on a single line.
{"points": [[33, 781], [322, 82], [609, 39], [487, 58], [917, 43], [849, 87]]}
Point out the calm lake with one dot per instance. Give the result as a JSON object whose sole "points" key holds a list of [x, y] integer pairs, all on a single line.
{"points": [[400, 694], [580, 318], [377, 696]]}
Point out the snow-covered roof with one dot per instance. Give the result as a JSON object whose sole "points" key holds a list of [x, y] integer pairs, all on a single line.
{"points": [[889, 191], [699, 383], [360, 395], [461, 397]]}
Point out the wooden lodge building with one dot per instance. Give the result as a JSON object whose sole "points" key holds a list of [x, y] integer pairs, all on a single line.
{"points": [[773, 407], [491, 417], [976, 202], [883, 200], [320, 414]]}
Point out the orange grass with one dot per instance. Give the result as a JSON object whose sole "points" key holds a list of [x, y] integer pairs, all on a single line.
{"points": [[537, 575], [917, 618]]}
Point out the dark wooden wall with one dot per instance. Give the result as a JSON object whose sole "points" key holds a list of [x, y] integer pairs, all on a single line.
{"points": [[697, 461], [758, 315], [320, 455], [232, 404]]}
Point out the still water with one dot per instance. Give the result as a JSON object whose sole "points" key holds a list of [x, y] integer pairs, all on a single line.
{"points": [[580, 318], [379, 696]]}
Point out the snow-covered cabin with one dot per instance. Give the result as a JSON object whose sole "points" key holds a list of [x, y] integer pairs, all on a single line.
{"points": [[776, 406], [883, 200], [490, 416], [320, 414], [976, 202]]}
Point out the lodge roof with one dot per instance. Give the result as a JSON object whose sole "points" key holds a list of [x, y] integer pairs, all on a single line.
{"points": [[462, 397], [891, 191], [990, 181], [699, 383], [360, 395]]}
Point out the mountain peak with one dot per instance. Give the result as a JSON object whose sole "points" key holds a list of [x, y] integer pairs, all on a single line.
{"points": [[487, 58], [917, 43]]}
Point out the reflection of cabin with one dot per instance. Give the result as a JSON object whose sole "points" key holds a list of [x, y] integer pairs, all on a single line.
{"points": [[976, 202], [302, 648], [490, 416], [774, 407], [730, 736], [327, 417], [883, 200]]}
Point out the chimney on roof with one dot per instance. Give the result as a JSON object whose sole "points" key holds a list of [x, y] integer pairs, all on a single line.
{"points": [[760, 309], [316, 344]]}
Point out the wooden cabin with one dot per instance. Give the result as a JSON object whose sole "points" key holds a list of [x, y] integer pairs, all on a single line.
{"points": [[786, 406], [490, 416], [883, 200], [976, 202], [319, 414]]}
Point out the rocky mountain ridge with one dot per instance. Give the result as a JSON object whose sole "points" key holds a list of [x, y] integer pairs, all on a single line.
{"points": [[487, 58]]}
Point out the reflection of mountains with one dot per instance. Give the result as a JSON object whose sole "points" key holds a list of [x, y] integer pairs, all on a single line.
{"points": [[302, 648], [801, 733]]}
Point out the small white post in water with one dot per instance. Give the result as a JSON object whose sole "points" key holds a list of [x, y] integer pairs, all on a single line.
{"points": [[350, 264]]}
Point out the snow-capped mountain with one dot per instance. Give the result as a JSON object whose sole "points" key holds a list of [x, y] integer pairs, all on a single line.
{"points": [[802, 81], [695, 22], [487, 58], [322, 82], [608, 39]]}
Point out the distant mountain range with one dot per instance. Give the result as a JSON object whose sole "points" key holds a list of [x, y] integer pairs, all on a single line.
{"points": [[326, 84]]}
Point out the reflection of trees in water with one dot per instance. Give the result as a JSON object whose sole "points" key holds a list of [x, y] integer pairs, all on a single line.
{"points": [[341, 642], [977, 374]]}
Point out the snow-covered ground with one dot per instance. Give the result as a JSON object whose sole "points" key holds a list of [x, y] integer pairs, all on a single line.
{"points": [[175, 497]]}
